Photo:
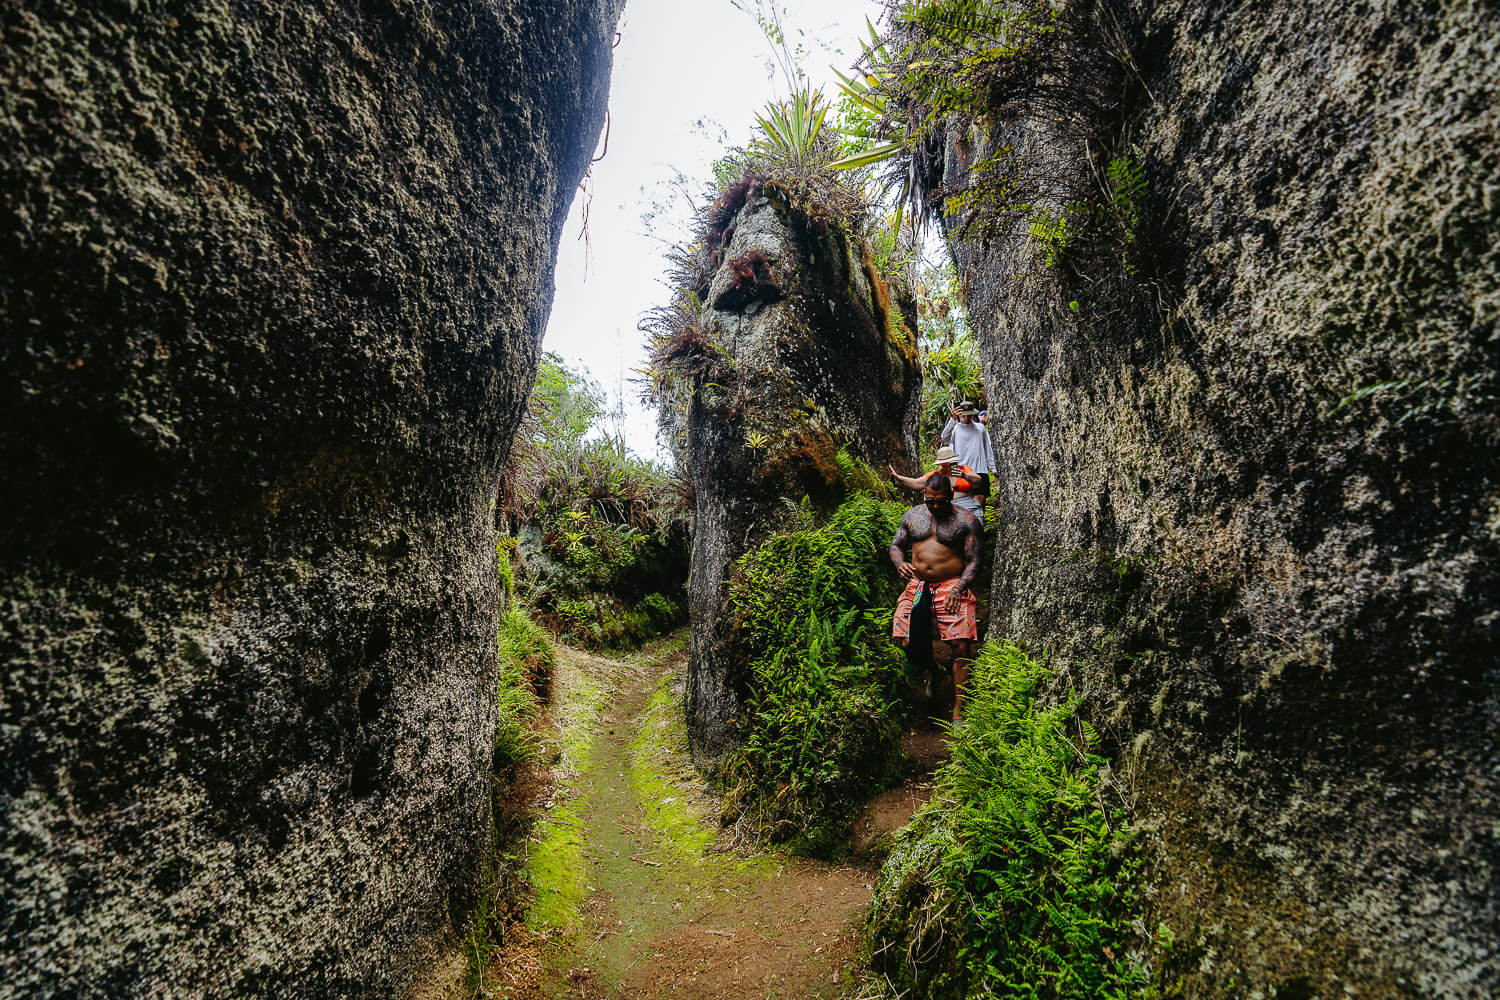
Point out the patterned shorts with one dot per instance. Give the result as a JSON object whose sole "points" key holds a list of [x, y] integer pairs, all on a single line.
{"points": [[960, 623]]}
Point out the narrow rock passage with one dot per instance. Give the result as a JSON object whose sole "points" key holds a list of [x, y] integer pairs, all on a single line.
{"points": [[637, 894]]}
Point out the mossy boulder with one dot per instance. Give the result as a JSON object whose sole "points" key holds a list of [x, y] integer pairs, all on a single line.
{"points": [[273, 280], [812, 355]]}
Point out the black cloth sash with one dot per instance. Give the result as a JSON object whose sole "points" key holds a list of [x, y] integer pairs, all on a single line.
{"points": [[919, 641]]}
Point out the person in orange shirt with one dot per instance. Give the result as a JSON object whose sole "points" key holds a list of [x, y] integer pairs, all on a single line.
{"points": [[969, 488]]}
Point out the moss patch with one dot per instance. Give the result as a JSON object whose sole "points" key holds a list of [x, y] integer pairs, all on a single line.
{"points": [[661, 772], [555, 867]]}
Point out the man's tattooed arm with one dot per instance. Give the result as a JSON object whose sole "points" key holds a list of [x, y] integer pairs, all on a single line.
{"points": [[971, 554], [898, 549]]}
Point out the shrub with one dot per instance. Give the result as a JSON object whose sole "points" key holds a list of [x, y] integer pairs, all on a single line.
{"points": [[1016, 880], [812, 609], [595, 528], [664, 612], [601, 621], [526, 661]]}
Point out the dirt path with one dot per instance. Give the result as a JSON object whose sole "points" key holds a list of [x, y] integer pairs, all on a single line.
{"points": [[636, 895]]}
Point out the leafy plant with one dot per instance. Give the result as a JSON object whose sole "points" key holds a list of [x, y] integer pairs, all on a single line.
{"points": [[927, 98], [867, 112], [1053, 230], [1017, 880], [894, 250], [1126, 180], [662, 610], [526, 661], [792, 131], [1427, 396], [942, 57]]}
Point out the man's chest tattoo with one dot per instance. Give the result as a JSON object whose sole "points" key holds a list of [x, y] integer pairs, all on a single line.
{"points": [[950, 532], [922, 525]]}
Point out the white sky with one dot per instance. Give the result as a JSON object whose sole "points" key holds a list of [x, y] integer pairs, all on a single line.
{"points": [[689, 78]]}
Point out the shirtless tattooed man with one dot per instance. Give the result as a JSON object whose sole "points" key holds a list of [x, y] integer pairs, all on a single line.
{"points": [[944, 558]]}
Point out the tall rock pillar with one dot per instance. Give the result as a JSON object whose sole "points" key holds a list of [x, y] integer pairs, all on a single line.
{"points": [[812, 356], [273, 278], [1249, 456]]}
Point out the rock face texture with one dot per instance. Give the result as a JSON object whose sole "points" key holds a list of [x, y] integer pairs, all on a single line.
{"points": [[273, 279], [1250, 484], [812, 356]]}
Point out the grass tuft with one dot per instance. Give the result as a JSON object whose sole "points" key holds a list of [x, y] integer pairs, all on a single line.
{"points": [[526, 661]]}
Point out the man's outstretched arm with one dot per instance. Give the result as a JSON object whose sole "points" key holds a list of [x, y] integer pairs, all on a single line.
{"points": [[907, 481]]}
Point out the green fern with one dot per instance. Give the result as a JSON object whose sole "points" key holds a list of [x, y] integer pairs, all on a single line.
{"points": [[1054, 230], [811, 607], [1017, 885], [1126, 180]]}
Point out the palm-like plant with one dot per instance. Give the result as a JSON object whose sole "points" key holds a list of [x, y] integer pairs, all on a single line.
{"points": [[792, 131], [869, 92], [948, 56]]}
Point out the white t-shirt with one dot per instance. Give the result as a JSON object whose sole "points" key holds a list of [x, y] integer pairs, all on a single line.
{"points": [[972, 442]]}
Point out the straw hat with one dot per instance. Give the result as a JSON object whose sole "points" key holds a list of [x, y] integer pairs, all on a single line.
{"points": [[946, 456]]}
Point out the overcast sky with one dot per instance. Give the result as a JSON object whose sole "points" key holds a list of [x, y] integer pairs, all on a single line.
{"points": [[689, 77]]}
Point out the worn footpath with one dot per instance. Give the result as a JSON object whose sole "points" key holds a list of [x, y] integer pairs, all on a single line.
{"points": [[638, 894]]}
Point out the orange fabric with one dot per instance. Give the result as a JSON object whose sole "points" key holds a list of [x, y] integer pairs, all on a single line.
{"points": [[958, 477], [960, 623]]}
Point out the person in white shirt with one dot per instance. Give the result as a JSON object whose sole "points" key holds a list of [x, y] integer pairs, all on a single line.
{"points": [[970, 438]]}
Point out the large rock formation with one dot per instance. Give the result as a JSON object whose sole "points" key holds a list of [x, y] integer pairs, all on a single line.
{"points": [[810, 355], [273, 279], [1249, 491]]}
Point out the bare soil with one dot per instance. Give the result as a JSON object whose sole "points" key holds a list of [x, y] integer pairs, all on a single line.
{"points": [[926, 748]]}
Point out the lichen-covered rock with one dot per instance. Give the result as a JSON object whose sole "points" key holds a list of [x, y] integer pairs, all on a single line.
{"points": [[810, 356], [273, 279], [1250, 493]]}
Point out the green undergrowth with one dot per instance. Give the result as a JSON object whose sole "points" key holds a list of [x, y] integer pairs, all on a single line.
{"points": [[526, 662], [603, 621], [526, 659], [822, 722], [594, 537], [1017, 879]]}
